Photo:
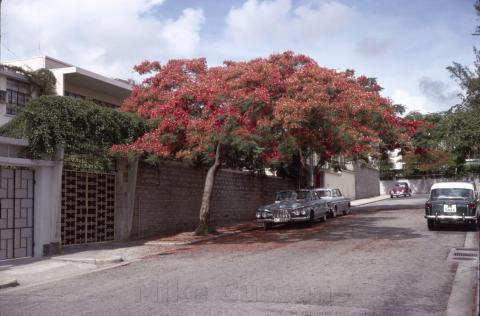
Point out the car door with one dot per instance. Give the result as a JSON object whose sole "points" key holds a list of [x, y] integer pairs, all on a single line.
{"points": [[322, 206], [342, 203], [314, 203], [335, 200]]}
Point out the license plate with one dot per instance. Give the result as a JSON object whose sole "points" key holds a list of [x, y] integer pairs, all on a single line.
{"points": [[280, 220], [450, 208]]}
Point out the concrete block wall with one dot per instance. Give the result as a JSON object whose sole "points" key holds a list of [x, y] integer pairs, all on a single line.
{"points": [[345, 181], [367, 182], [168, 197]]}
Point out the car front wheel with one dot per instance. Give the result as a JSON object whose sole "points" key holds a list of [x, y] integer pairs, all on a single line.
{"points": [[267, 226]]}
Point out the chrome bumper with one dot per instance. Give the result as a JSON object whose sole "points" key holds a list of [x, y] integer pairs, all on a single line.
{"points": [[451, 217], [283, 220]]}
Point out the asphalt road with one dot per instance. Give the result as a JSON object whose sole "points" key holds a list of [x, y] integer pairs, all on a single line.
{"points": [[379, 260]]}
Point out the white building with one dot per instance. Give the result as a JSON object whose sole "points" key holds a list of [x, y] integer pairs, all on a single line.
{"points": [[396, 159], [72, 81], [32, 217]]}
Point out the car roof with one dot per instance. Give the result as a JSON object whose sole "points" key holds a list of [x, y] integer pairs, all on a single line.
{"points": [[324, 189], [453, 185]]}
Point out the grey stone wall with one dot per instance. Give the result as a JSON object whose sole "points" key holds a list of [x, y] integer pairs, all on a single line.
{"points": [[168, 197], [367, 182]]}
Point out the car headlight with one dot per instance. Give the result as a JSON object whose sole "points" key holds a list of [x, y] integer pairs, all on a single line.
{"points": [[259, 215], [264, 214], [296, 212], [304, 212]]}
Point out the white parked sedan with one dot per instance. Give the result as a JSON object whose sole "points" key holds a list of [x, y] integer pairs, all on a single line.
{"points": [[337, 203]]}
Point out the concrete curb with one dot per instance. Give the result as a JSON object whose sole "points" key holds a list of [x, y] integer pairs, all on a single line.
{"points": [[116, 259], [372, 200], [460, 299], [8, 283], [124, 262], [185, 243]]}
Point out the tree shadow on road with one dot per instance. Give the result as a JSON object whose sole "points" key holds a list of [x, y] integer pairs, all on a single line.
{"points": [[343, 228]]}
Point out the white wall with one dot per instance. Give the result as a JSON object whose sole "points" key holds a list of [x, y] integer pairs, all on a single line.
{"points": [[47, 195], [344, 180]]}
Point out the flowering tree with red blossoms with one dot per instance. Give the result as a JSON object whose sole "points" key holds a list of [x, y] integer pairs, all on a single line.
{"points": [[258, 114]]}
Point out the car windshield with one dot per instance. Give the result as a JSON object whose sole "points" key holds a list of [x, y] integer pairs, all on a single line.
{"points": [[451, 193], [324, 193], [285, 196], [291, 195], [302, 195]]}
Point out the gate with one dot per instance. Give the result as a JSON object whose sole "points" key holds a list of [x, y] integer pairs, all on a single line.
{"points": [[88, 207], [16, 213]]}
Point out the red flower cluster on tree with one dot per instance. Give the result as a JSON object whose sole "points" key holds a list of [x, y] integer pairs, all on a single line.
{"points": [[283, 99]]}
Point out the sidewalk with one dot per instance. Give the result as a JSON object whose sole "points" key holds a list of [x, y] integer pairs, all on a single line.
{"points": [[369, 200], [80, 259]]}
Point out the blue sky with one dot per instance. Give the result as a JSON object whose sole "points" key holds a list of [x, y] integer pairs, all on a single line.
{"points": [[405, 44]]}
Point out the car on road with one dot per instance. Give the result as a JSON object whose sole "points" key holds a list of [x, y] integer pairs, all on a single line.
{"points": [[400, 189], [453, 202], [293, 206], [337, 203]]}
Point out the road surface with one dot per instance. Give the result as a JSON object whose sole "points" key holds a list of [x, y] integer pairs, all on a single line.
{"points": [[379, 260]]}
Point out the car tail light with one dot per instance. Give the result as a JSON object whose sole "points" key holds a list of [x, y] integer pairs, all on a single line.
{"points": [[472, 205]]}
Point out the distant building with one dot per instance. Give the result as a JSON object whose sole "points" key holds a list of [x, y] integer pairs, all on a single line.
{"points": [[396, 159], [76, 82]]}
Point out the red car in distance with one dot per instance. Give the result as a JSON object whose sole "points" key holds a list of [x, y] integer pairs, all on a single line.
{"points": [[400, 189]]}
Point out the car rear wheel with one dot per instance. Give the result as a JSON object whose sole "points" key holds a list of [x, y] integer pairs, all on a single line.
{"points": [[347, 210], [431, 224], [324, 218]]}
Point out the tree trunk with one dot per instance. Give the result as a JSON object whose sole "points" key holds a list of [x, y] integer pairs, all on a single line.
{"points": [[204, 226], [303, 170]]}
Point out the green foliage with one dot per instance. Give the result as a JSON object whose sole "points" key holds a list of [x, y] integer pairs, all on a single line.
{"points": [[428, 162], [42, 79], [82, 128]]}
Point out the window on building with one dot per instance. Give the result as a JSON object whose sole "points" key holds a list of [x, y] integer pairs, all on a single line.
{"points": [[74, 95], [104, 103], [17, 95]]}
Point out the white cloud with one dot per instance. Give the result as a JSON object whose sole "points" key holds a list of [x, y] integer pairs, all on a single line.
{"points": [[412, 102], [182, 35], [108, 36], [278, 22]]}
